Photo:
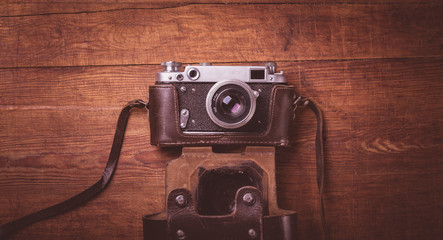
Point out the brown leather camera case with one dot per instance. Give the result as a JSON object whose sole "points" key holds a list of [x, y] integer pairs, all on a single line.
{"points": [[165, 123]]}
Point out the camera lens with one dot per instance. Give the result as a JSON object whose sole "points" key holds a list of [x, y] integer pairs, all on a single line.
{"points": [[230, 104]]}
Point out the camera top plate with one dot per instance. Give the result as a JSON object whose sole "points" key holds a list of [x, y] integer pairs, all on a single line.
{"points": [[205, 72]]}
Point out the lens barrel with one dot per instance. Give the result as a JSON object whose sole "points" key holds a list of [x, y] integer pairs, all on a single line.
{"points": [[231, 103]]}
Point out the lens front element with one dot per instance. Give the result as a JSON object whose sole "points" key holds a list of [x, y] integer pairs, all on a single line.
{"points": [[231, 103]]}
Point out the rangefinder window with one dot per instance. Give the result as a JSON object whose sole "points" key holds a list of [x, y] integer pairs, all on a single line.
{"points": [[258, 74]]}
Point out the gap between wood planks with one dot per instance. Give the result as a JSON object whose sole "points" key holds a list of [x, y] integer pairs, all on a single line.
{"points": [[221, 63]]}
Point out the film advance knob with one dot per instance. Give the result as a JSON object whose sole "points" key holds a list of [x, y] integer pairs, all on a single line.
{"points": [[171, 66]]}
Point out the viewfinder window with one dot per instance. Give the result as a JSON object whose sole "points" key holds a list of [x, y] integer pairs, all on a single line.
{"points": [[258, 74]]}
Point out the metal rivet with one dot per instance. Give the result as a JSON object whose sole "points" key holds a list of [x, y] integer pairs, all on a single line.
{"points": [[183, 88], [180, 200], [252, 233], [248, 199], [180, 234]]}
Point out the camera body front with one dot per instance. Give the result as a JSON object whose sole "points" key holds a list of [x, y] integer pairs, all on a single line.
{"points": [[220, 105]]}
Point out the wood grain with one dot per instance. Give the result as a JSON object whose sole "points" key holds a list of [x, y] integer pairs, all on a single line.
{"points": [[383, 150], [25, 8], [375, 70], [222, 33]]}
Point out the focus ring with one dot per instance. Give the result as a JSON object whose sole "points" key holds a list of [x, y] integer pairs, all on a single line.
{"points": [[210, 104]]}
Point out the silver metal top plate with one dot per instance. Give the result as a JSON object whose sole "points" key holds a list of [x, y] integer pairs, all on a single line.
{"points": [[199, 73]]}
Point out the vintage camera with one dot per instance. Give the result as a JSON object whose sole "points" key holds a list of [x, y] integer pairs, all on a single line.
{"points": [[221, 194], [213, 105]]}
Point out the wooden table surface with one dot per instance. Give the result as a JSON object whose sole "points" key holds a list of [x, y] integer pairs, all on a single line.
{"points": [[375, 67]]}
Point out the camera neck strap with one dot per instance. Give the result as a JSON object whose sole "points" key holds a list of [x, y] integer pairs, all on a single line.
{"points": [[87, 194], [319, 154]]}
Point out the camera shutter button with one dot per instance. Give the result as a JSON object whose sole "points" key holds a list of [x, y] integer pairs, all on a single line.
{"points": [[271, 66]]}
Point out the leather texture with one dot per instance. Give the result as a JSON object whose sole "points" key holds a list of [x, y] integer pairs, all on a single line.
{"points": [[165, 125], [274, 227]]}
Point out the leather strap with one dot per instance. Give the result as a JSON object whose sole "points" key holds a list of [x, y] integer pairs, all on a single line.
{"points": [[319, 154], [87, 194]]}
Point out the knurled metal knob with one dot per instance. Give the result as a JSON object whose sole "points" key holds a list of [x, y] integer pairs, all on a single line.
{"points": [[271, 66], [171, 66]]}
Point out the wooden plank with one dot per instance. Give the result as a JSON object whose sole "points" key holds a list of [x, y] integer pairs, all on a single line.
{"points": [[226, 33], [78, 88], [25, 8], [383, 174], [383, 149]]}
